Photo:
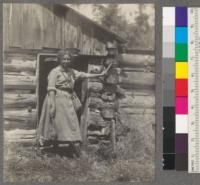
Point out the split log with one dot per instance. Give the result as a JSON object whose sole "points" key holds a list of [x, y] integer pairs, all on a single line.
{"points": [[139, 69], [19, 100], [95, 68], [23, 73], [19, 82], [97, 79], [112, 61], [138, 80], [12, 125], [111, 88], [113, 79], [136, 101], [20, 116], [95, 86], [92, 140], [95, 119], [95, 102], [29, 66], [136, 60], [108, 113], [94, 94], [20, 136], [140, 92], [135, 111], [105, 131], [110, 105], [108, 96], [19, 91]]}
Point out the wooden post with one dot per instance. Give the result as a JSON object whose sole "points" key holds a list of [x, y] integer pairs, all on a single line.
{"points": [[84, 117], [113, 135]]}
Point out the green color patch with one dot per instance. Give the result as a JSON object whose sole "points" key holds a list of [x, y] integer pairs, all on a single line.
{"points": [[181, 52]]}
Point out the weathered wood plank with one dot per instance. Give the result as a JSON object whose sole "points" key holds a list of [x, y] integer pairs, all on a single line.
{"points": [[57, 22], [49, 34], [19, 82], [16, 19], [19, 100], [138, 78], [37, 26], [32, 26], [6, 25], [136, 60], [27, 28]]}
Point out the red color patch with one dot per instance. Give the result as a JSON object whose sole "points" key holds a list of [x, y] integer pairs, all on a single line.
{"points": [[181, 87]]}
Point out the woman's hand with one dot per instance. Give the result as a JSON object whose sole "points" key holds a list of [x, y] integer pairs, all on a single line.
{"points": [[104, 72], [52, 110]]}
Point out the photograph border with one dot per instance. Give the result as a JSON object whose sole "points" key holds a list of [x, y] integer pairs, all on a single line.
{"points": [[161, 176]]}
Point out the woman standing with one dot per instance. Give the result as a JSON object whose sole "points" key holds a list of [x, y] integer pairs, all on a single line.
{"points": [[59, 121]]}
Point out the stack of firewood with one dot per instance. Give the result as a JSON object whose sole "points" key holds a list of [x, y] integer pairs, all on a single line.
{"points": [[104, 93]]}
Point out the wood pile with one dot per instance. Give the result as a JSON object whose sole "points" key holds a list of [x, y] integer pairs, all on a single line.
{"points": [[103, 103]]}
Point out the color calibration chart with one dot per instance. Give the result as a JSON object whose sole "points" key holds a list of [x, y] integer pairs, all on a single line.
{"points": [[181, 87]]}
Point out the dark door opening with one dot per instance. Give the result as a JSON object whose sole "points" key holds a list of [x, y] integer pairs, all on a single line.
{"points": [[45, 65]]}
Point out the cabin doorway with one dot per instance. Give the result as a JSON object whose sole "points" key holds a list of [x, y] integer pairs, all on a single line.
{"points": [[45, 63]]}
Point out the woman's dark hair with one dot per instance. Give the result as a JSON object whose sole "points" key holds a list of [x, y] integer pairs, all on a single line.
{"points": [[61, 54]]}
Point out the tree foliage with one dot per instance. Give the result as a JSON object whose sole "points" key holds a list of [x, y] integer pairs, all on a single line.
{"points": [[139, 34]]}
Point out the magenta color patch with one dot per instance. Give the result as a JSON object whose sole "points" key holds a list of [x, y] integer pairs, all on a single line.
{"points": [[181, 105]]}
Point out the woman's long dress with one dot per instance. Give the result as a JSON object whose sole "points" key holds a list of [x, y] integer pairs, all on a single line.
{"points": [[65, 121]]}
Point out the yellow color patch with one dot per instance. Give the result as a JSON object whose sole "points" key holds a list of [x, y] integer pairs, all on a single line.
{"points": [[181, 70]]}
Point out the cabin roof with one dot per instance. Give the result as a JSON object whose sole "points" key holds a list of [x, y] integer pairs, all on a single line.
{"points": [[100, 27]]}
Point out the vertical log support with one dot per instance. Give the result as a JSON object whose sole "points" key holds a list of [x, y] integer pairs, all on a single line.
{"points": [[113, 135], [112, 54]]}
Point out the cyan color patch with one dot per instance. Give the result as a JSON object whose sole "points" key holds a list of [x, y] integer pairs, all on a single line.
{"points": [[181, 35]]}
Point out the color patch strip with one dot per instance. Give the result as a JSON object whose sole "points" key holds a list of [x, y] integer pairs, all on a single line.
{"points": [[181, 57], [181, 35], [181, 52], [168, 88], [181, 124], [181, 87], [181, 70], [181, 17], [182, 105]]}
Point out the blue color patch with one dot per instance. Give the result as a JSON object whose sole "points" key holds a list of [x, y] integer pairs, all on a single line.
{"points": [[181, 35]]}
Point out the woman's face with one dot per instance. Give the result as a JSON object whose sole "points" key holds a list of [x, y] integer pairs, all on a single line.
{"points": [[66, 61]]}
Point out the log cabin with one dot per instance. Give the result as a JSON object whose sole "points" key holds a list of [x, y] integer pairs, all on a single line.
{"points": [[33, 33]]}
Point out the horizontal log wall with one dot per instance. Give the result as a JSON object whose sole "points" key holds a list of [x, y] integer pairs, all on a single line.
{"points": [[19, 92], [138, 81]]}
